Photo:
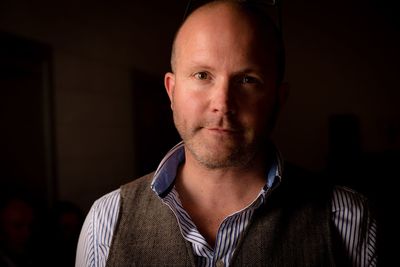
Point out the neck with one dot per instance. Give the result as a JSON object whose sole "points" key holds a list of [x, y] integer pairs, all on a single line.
{"points": [[217, 187], [211, 195]]}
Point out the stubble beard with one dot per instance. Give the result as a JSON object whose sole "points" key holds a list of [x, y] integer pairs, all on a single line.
{"points": [[228, 153]]}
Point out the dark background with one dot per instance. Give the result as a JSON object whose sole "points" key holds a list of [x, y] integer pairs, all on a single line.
{"points": [[83, 109]]}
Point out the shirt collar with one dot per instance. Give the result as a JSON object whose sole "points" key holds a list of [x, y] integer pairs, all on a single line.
{"points": [[165, 174]]}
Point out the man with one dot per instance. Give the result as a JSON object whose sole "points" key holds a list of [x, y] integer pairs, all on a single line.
{"points": [[221, 197]]}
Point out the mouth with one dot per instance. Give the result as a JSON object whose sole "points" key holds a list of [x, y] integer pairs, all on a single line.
{"points": [[223, 131]]}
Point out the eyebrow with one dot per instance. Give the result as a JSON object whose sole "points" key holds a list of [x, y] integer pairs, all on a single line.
{"points": [[193, 66], [200, 65], [246, 70], [249, 70]]}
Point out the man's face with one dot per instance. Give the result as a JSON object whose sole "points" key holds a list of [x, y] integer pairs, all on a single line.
{"points": [[223, 92]]}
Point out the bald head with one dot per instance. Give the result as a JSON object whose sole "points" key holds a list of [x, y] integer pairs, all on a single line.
{"points": [[238, 19]]}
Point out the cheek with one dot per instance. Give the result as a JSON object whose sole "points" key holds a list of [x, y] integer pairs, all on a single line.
{"points": [[187, 101], [187, 108], [259, 113], [183, 105]]}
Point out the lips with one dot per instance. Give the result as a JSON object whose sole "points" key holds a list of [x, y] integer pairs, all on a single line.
{"points": [[224, 131], [221, 126]]}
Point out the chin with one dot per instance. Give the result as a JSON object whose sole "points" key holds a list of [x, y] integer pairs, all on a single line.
{"points": [[219, 157]]}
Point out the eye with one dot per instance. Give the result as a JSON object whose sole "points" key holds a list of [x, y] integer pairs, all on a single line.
{"points": [[249, 80], [201, 75]]}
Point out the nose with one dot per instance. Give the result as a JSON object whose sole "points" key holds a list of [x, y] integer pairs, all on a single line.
{"points": [[222, 99]]}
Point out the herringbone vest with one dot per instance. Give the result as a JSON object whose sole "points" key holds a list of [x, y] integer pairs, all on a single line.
{"points": [[293, 228]]}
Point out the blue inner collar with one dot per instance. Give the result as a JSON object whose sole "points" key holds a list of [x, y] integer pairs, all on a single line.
{"points": [[165, 174]]}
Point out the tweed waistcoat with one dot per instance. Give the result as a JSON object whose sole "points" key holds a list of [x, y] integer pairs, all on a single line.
{"points": [[293, 228]]}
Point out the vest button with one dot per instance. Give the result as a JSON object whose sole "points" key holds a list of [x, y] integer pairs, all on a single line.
{"points": [[219, 263]]}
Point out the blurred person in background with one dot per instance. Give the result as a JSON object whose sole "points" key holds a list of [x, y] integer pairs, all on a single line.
{"points": [[16, 233]]}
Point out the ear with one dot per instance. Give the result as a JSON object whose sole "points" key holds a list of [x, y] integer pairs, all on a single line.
{"points": [[169, 83], [283, 93]]}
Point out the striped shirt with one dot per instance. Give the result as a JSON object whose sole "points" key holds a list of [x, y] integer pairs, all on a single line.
{"points": [[350, 215]]}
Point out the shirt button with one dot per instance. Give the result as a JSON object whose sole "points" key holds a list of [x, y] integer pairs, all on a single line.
{"points": [[219, 263]]}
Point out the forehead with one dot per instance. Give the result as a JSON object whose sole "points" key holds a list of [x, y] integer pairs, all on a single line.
{"points": [[220, 29]]}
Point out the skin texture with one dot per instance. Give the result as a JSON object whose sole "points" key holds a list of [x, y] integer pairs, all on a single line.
{"points": [[222, 93], [224, 99]]}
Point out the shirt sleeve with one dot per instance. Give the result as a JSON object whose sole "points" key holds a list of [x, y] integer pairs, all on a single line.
{"points": [[97, 231], [355, 225]]}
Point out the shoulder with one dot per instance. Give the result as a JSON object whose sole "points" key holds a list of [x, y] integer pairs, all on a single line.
{"points": [[355, 225], [139, 182], [341, 198], [311, 186], [136, 187], [350, 213], [344, 198], [108, 205], [298, 176], [103, 216], [305, 185], [108, 201], [351, 209], [97, 231]]}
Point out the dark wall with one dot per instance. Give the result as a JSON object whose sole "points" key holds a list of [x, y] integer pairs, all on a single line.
{"points": [[342, 66]]}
